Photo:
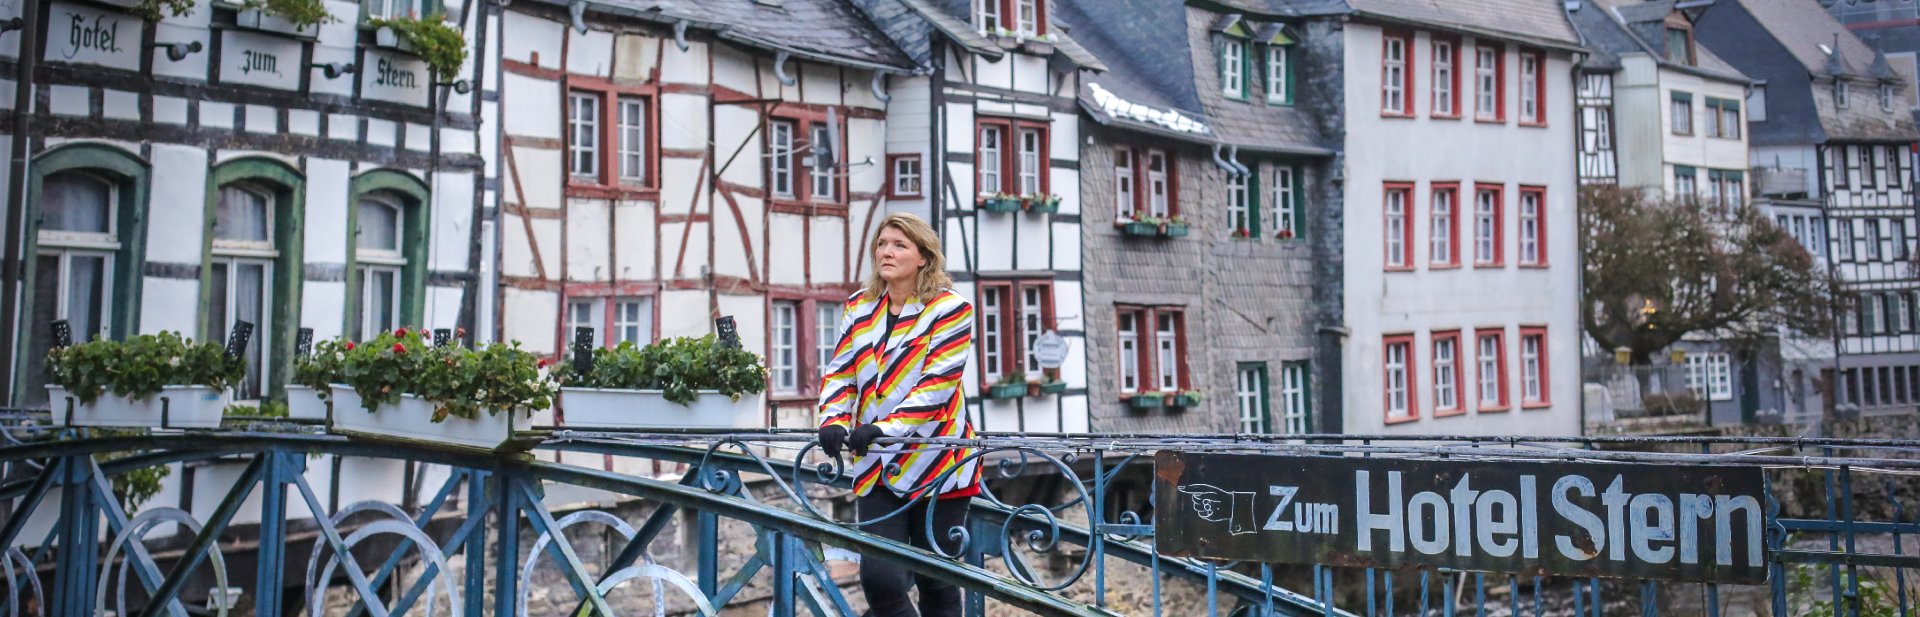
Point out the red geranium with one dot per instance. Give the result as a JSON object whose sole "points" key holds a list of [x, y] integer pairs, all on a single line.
{"points": [[402, 333], [399, 348], [349, 345]]}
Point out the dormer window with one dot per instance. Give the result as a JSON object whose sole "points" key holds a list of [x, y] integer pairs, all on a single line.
{"points": [[1021, 17], [1886, 97], [1680, 46], [1840, 93]]}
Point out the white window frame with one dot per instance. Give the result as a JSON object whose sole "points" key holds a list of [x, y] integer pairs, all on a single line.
{"points": [[906, 177], [1531, 388], [1285, 210], [1443, 69], [992, 298], [1446, 381], [1486, 82], [1530, 228], [586, 312], [1129, 344], [1398, 381], [1680, 112], [1159, 191], [1530, 88], [1396, 228], [583, 135], [1033, 160], [1251, 399], [640, 321], [783, 346], [1486, 226], [989, 19], [1440, 223], [1033, 322], [1239, 212], [1233, 68], [1487, 368], [780, 157], [633, 139], [1167, 352], [1123, 183], [1295, 409], [826, 332], [992, 177], [1393, 80], [1026, 17], [1277, 74], [820, 173], [1710, 376]]}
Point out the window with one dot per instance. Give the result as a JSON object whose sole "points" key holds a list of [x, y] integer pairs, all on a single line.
{"points": [[1533, 89], [1489, 85], [1680, 46], [1130, 176], [1733, 189], [1279, 76], [1534, 384], [1446, 374], [1159, 193], [1604, 127], [1710, 376], [780, 164], [1886, 97], [242, 275], [1490, 369], [1233, 68], [1896, 167], [586, 313], [1123, 189], [821, 163], [906, 176], [1487, 223], [1396, 86], [633, 140], [1533, 228], [1869, 174], [783, 347], [1399, 228], [380, 261], [1903, 311], [1843, 236], [1446, 78], [1840, 93], [1723, 118], [1680, 113], [1250, 392], [1873, 240], [1240, 223], [1153, 349], [1295, 402], [1897, 238], [1287, 223], [1013, 315], [988, 15], [1397, 351], [78, 237], [1021, 169], [1852, 173], [633, 321], [392, 9], [826, 333], [1443, 230], [1026, 17], [1683, 183], [583, 143]]}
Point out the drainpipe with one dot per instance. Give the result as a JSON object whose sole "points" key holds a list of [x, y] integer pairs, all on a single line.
{"points": [[12, 264]]}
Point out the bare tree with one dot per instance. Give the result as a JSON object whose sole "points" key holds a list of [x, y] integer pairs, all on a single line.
{"points": [[1658, 269]]}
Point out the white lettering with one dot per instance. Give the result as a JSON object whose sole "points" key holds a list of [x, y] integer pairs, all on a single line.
{"points": [[1725, 507], [1285, 493], [1367, 522], [1436, 542], [1596, 530], [1644, 535], [1693, 509], [1463, 498], [1491, 526], [1615, 499]]}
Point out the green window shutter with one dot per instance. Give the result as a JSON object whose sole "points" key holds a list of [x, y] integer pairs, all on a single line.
{"points": [[1288, 53], [1682, 170], [1254, 205], [1299, 204]]}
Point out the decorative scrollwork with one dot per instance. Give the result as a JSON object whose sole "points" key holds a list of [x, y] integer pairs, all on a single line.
{"points": [[136, 531]]}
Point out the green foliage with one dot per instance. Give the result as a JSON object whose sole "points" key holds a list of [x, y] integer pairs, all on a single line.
{"points": [[266, 409], [1812, 590], [154, 10], [678, 367], [133, 487], [323, 367], [439, 43], [300, 13], [458, 381], [139, 366]]}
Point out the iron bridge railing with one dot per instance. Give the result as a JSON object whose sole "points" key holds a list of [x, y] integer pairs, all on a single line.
{"points": [[1064, 527]]}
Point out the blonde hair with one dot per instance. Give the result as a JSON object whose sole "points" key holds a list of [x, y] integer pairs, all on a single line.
{"points": [[932, 278]]}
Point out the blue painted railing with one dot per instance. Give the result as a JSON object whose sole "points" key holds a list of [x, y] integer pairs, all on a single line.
{"points": [[447, 546]]}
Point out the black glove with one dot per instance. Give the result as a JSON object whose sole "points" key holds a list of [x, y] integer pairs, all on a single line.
{"points": [[832, 436], [863, 437]]}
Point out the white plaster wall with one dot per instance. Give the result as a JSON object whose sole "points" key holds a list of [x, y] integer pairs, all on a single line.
{"points": [[633, 224], [829, 251], [169, 305], [516, 257], [443, 307], [590, 53], [532, 318], [323, 308], [452, 221], [1424, 301], [786, 245], [539, 176], [683, 124], [532, 40], [993, 74], [536, 105], [588, 241], [730, 245], [638, 55], [689, 193], [176, 205], [819, 83], [733, 68], [326, 222], [687, 67], [684, 313]]}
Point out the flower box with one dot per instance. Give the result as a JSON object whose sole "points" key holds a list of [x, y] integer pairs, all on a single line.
{"points": [[1049, 388], [1145, 401], [173, 407], [386, 37], [1184, 400], [1004, 391], [257, 19], [1000, 204], [1174, 230], [1137, 228], [304, 403], [599, 407], [1044, 205], [411, 421]]}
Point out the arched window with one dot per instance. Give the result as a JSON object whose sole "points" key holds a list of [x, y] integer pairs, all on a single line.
{"points": [[253, 273], [85, 245], [386, 253]]}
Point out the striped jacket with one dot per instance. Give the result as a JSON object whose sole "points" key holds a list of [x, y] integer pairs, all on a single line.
{"points": [[908, 382]]}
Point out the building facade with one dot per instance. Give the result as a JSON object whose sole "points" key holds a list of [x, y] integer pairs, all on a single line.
{"points": [[1831, 141], [1461, 304], [221, 166]]}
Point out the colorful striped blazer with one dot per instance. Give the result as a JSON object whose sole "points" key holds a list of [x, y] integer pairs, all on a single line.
{"points": [[907, 382]]}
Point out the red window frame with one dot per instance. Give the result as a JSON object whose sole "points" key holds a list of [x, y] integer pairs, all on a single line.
{"points": [[1459, 376], [1453, 231], [1500, 342], [1009, 21], [1013, 351], [1010, 153], [1147, 322], [1406, 226], [1407, 69], [607, 184], [1539, 223], [1413, 379], [803, 117], [807, 367], [1499, 224], [1433, 85], [1539, 89], [1499, 82], [1546, 376], [893, 176], [1143, 185]]}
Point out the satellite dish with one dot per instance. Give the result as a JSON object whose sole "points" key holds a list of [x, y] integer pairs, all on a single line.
{"points": [[832, 155]]}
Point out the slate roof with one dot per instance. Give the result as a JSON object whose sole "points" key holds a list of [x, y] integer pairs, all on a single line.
{"points": [[1539, 22], [1614, 28], [1803, 27], [824, 30]]}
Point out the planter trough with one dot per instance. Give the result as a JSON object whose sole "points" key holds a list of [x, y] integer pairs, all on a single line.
{"points": [[304, 403], [1145, 401], [173, 407], [411, 421], [1003, 391], [650, 409]]}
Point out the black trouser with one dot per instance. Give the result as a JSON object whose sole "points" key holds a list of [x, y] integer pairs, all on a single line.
{"points": [[886, 582]]}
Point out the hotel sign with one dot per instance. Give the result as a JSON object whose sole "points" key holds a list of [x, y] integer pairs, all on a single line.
{"points": [[79, 34], [1670, 522], [260, 60]]}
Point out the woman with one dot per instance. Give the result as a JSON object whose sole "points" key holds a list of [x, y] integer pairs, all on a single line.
{"points": [[904, 345]]}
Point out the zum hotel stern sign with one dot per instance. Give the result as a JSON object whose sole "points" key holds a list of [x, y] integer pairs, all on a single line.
{"points": [[1671, 522]]}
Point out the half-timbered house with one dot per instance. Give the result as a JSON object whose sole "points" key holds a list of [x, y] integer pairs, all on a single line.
{"points": [[664, 164]]}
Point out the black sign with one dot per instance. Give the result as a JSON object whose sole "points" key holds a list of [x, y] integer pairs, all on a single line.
{"points": [[1670, 522]]}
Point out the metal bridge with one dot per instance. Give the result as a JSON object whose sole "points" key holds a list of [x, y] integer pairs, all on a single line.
{"points": [[1836, 523]]}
